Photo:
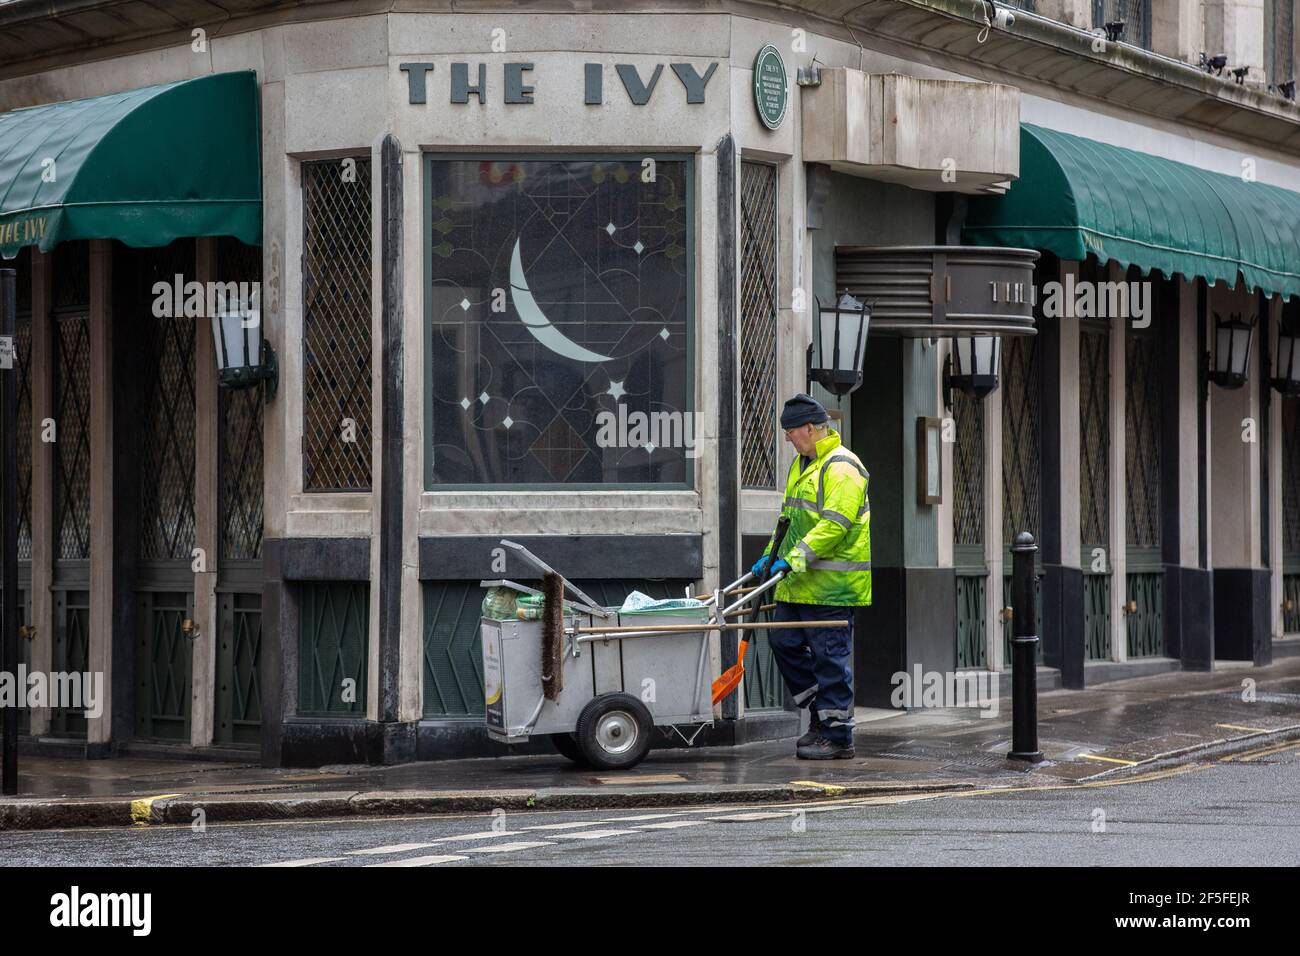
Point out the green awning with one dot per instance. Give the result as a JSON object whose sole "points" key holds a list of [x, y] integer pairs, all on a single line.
{"points": [[145, 167], [1076, 196]]}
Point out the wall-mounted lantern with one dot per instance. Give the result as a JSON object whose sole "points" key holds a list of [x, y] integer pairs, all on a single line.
{"points": [[1287, 377], [972, 366], [1230, 364], [841, 336], [244, 358]]}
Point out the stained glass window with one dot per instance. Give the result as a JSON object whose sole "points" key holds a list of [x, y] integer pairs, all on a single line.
{"points": [[559, 310]]}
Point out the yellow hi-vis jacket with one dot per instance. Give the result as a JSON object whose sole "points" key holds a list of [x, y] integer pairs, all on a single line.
{"points": [[828, 544]]}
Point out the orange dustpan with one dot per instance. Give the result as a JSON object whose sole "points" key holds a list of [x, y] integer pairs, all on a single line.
{"points": [[730, 678]]}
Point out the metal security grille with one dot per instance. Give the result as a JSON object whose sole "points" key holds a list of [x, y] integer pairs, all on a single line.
{"points": [[241, 454], [1094, 450], [968, 531], [239, 701], [453, 650], [968, 469], [1096, 616], [167, 425], [972, 628], [71, 653], [23, 371], [1142, 439], [1146, 624], [758, 325], [72, 450], [764, 688], [1291, 478], [1279, 39], [1136, 15], [1290, 603], [163, 662], [333, 626], [1021, 437], [336, 339]]}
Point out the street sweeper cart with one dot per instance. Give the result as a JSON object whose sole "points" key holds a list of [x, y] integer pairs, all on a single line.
{"points": [[599, 680]]}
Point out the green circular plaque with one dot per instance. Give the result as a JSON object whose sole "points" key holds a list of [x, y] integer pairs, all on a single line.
{"points": [[771, 88]]}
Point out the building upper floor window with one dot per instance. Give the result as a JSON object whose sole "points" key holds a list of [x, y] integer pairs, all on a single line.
{"points": [[560, 340]]}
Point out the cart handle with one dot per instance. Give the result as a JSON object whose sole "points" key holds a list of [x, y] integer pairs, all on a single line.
{"points": [[587, 635], [765, 586], [739, 582]]}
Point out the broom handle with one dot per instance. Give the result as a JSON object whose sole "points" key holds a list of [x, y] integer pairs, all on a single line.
{"points": [[694, 628]]}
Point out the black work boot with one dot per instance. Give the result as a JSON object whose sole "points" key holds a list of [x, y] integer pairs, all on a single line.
{"points": [[823, 749], [814, 731]]}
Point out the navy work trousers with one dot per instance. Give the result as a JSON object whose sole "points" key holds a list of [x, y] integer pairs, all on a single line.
{"points": [[816, 664]]}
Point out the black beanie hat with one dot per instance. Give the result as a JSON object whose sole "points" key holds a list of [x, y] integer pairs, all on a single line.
{"points": [[801, 410]]}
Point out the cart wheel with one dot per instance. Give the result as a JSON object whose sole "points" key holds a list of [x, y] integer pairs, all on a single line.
{"points": [[614, 731], [568, 747]]}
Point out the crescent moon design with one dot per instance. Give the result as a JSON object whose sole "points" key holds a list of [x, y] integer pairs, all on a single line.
{"points": [[535, 320]]}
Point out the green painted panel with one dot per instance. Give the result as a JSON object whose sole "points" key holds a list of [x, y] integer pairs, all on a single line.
{"points": [[1291, 603], [333, 652], [1146, 624], [1096, 617], [972, 628], [239, 651], [163, 659], [70, 653]]}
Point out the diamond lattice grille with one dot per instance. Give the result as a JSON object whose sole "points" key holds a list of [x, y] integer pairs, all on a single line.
{"points": [[758, 314], [1142, 440], [1291, 475], [1094, 425], [336, 282], [23, 383], [241, 433], [1021, 436], [968, 469], [72, 450], [167, 432]]}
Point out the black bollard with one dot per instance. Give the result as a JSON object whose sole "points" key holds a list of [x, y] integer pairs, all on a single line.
{"points": [[1024, 645]]}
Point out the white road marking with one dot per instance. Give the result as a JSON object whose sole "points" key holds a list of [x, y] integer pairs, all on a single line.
{"points": [[480, 835], [309, 861], [750, 817], [593, 834], [566, 826], [508, 847], [648, 816], [671, 825], [395, 848], [419, 861]]}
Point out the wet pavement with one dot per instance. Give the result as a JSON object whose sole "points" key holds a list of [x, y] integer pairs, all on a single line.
{"points": [[1082, 734], [1206, 813]]}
